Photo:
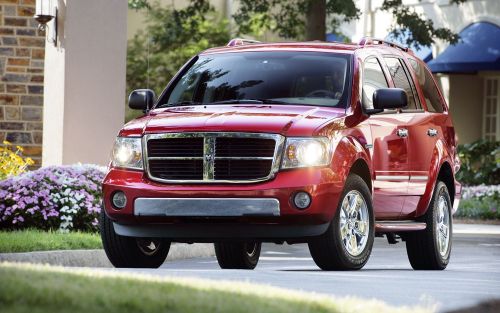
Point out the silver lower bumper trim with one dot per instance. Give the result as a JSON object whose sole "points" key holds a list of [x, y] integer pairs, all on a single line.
{"points": [[209, 207]]}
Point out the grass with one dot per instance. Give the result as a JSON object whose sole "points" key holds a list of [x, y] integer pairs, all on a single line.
{"points": [[42, 288], [37, 240]]}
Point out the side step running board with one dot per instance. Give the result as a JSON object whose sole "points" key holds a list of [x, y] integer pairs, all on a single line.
{"points": [[398, 226]]}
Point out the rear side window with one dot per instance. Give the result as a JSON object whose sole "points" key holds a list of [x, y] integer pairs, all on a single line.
{"points": [[401, 80], [373, 79], [429, 88]]}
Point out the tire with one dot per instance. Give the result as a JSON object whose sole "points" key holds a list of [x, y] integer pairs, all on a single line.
{"points": [[424, 249], [332, 250], [237, 255], [130, 251]]}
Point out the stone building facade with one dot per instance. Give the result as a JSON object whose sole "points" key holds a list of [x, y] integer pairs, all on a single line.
{"points": [[22, 50]]}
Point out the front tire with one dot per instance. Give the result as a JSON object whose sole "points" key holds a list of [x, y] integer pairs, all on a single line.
{"points": [[237, 255], [348, 242], [130, 251], [430, 249]]}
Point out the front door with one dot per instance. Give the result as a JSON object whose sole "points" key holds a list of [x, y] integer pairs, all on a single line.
{"points": [[390, 147]]}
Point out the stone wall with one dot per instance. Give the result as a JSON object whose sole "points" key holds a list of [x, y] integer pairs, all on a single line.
{"points": [[21, 71]]}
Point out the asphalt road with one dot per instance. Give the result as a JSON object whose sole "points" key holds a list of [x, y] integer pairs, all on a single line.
{"points": [[473, 274]]}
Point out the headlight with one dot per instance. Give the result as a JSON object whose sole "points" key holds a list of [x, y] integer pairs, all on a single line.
{"points": [[127, 153], [304, 152]]}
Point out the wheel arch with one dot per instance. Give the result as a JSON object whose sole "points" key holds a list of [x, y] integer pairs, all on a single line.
{"points": [[351, 157], [440, 169], [446, 176], [360, 168]]}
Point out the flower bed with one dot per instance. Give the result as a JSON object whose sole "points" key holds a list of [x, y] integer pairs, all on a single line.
{"points": [[480, 202], [53, 197]]}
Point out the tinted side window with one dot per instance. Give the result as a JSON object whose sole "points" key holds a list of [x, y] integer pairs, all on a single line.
{"points": [[401, 80], [373, 79], [429, 88]]}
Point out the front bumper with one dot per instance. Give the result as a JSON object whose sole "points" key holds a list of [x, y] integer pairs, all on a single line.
{"points": [[206, 207], [198, 212]]}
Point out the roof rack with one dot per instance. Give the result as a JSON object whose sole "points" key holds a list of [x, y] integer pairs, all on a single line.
{"points": [[240, 42], [365, 41]]}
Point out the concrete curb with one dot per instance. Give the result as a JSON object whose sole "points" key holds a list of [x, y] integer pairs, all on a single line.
{"points": [[476, 229], [98, 258]]}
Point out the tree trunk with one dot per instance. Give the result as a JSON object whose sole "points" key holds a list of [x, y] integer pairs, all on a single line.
{"points": [[316, 20]]}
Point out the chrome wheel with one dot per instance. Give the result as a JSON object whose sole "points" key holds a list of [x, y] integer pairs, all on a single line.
{"points": [[443, 226], [354, 223], [148, 246]]}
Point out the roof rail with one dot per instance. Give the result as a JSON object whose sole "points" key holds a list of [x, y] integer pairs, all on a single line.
{"points": [[365, 41], [240, 42]]}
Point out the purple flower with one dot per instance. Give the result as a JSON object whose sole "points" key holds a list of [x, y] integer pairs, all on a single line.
{"points": [[37, 198]]}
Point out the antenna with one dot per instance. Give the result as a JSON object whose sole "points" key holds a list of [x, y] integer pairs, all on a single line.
{"points": [[147, 48]]}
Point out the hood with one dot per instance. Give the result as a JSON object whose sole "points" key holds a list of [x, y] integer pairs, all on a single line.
{"points": [[291, 120]]}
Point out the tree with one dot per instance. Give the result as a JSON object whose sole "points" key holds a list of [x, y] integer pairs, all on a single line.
{"points": [[309, 19], [312, 19], [169, 39]]}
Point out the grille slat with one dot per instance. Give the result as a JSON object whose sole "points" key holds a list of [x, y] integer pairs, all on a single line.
{"points": [[176, 147], [229, 157]]}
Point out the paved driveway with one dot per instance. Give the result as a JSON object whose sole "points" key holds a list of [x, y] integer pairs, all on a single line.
{"points": [[473, 274]]}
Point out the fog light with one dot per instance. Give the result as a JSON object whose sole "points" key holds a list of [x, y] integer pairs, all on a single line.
{"points": [[302, 200], [119, 200]]}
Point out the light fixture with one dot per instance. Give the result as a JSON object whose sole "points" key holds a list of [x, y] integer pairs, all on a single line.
{"points": [[44, 13]]}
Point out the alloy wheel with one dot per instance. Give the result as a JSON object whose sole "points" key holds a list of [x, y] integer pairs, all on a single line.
{"points": [[354, 223]]}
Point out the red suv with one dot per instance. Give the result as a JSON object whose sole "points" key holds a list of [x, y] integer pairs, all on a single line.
{"points": [[328, 144]]}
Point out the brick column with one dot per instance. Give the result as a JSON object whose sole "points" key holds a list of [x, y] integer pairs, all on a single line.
{"points": [[22, 75]]}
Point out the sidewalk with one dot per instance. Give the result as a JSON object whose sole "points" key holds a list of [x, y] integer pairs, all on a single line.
{"points": [[480, 229], [97, 258]]}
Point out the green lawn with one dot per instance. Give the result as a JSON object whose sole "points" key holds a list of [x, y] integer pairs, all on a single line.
{"points": [[41, 288], [37, 240]]}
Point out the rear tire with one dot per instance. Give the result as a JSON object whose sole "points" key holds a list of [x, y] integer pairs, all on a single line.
{"points": [[237, 255], [430, 249], [347, 243], [130, 251]]}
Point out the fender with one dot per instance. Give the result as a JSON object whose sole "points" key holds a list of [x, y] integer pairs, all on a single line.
{"points": [[440, 155], [348, 151]]}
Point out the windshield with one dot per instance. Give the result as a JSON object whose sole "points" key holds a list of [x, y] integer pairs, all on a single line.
{"points": [[308, 78]]}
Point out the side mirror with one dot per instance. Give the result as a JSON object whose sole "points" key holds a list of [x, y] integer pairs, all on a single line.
{"points": [[389, 98], [141, 99]]}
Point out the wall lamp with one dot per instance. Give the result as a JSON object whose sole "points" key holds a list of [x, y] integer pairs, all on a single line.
{"points": [[46, 11]]}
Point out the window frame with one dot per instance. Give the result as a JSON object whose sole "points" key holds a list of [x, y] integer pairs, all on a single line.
{"points": [[420, 90], [411, 79], [486, 115], [383, 70]]}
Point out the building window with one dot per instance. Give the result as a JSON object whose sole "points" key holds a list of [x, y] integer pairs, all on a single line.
{"points": [[491, 129]]}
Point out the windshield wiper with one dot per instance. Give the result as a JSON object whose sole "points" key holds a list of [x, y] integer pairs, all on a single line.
{"points": [[230, 101], [182, 103], [250, 101]]}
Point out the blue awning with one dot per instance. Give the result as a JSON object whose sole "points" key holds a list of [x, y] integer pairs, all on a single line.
{"points": [[422, 52], [335, 37], [478, 50]]}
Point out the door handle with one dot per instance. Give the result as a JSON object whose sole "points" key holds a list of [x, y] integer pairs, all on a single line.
{"points": [[402, 132], [431, 132]]}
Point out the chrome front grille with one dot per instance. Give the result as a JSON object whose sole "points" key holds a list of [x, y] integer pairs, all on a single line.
{"points": [[212, 157]]}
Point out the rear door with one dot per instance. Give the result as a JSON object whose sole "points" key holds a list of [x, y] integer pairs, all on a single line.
{"points": [[425, 128], [390, 151]]}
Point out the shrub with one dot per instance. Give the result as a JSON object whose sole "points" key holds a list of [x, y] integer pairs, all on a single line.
{"points": [[480, 163], [54, 197], [12, 162], [480, 202]]}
